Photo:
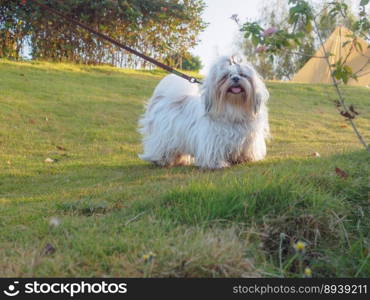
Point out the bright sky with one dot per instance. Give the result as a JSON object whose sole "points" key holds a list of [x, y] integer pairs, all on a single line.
{"points": [[219, 37]]}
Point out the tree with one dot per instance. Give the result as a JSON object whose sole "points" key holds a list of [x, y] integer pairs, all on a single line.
{"points": [[186, 61], [13, 28], [154, 27], [275, 14], [191, 63]]}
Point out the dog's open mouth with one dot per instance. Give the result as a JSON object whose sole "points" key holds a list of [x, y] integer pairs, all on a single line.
{"points": [[236, 89]]}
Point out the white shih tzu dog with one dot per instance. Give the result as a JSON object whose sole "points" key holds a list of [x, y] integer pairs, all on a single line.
{"points": [[226, 123]]}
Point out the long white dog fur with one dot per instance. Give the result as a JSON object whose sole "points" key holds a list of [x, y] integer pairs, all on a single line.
{"points": [[223, 123]]}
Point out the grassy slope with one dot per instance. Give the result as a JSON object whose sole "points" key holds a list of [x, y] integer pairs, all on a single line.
{"points": [[114, 208]]}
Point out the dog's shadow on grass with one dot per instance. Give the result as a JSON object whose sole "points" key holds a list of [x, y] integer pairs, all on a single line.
{"points": [[59, 178], [73, 180]]}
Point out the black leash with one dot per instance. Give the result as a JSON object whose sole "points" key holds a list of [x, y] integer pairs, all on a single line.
{"points": [[118, 44]]}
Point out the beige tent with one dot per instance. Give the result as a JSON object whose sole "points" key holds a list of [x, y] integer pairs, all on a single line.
{"points": [[316, 70]]}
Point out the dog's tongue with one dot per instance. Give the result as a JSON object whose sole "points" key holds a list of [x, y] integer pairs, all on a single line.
{"points": [[236, 90]]}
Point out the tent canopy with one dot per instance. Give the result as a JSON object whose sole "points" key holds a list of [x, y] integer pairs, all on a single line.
{"points": [[316, 69]]}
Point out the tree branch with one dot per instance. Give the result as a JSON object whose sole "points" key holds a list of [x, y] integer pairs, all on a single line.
{"points": [[336, 85]]}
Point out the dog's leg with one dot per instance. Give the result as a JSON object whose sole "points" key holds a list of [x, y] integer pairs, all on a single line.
{"points": [[167, 159], [254, 148], [213, 164], [216, 165], [154, 151], [182, 160]]}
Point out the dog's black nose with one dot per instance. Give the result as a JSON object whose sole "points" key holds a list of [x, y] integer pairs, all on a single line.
{"points": [[235, 79]]}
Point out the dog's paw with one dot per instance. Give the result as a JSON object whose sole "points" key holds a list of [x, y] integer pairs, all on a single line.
{"points": [[216, 166]]}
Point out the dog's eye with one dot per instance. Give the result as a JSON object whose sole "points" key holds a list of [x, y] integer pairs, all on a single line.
{"points": [[224, 77], [243, 75]]}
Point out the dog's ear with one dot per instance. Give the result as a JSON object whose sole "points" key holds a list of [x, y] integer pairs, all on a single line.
{"points": [[208, 89], [207, 96], [260, 94]]}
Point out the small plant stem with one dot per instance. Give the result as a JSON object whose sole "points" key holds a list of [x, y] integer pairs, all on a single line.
{"points": [[336, 85]]}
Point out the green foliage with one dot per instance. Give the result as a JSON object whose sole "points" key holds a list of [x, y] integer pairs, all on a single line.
{"points": [[362, 26], [275, 44], [282, 40], [13, 28], [301, 11], [253, 31], [342, 71], [186, 61], [155, 27], [191, 63], [302, 16], [338, 8]]}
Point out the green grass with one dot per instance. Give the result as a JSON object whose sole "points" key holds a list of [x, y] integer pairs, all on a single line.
{"points": [[114, 209]]}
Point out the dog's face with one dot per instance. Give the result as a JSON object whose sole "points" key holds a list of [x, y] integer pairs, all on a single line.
{"points": [[232, 89]]}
